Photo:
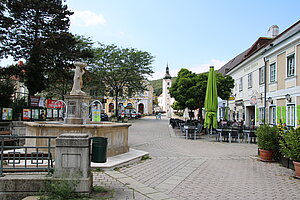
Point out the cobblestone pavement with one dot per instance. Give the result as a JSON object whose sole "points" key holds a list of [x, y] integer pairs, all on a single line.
{"points": [[195, 169]]}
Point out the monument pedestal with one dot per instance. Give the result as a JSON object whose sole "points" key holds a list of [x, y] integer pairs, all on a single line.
{"points": [[72, 160], [77, 109]]}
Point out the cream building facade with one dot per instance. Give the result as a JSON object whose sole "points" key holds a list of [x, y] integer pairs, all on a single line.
{"points": [[267, 81], [142, 102]]}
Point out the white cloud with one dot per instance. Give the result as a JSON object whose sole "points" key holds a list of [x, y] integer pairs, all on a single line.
{"points": [[205, 67], [86, 18]]}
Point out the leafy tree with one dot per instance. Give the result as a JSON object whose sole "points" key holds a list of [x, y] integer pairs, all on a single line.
{"points": [[7, 90], [36, 25], [5, 22], [7, 84], [121, 70], [189, 89], [157, 85], [64, 49]]}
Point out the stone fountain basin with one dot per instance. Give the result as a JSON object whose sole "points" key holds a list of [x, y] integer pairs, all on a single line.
{"points": [[116, 133]]}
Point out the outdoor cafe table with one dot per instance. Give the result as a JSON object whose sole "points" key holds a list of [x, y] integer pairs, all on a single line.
{"points": [[227, 132], [249, 134], [189, 130]]}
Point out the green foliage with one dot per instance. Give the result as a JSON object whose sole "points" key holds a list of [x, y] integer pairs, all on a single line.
{"points": [[157, 85], [100, 189], [117, 169], [6, 93], [38, 34], [268, 138], [184, 89], [61, 190], [5, 23], [122, 71], [99, 170], [189, 89], [290, 144], [145, 157]]}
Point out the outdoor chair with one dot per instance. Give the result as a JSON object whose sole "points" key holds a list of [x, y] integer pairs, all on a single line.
{"points": [[222, 135], [190, 132], [234, 135]]}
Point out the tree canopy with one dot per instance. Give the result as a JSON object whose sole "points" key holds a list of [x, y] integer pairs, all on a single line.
{"points": [[122, 71], [189, 89], [38, 33]]}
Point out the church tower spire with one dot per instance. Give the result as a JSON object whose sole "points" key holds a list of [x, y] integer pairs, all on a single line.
{"points": [[167, 75]]}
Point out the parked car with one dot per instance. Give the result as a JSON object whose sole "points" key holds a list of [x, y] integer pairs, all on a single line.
{"points": [[136, 115], [104, 117]]}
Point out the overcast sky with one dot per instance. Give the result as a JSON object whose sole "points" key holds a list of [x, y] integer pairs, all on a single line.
{"points": [[192, 34]]}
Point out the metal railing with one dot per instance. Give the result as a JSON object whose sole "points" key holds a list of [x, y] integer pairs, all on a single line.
{"points": [[30, 158]]}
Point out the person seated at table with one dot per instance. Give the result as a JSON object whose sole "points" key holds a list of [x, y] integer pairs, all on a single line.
{"points": [[223, 123], [234, 123]]}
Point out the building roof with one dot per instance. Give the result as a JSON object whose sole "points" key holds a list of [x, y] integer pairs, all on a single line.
{"points": [[167, 75], [259, 44]]}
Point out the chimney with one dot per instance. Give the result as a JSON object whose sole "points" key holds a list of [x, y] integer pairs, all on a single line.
{"points": [[273, 31]]}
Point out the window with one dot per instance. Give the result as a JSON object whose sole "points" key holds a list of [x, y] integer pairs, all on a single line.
{"points": [[111, 107], [261, 115], [291, 65], [272, 72], [262, 75], [241, 84], [290, 115], [273, 115], [250, 80]]}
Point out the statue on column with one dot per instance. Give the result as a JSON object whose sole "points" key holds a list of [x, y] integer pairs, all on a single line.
{"points": [[78, 82]]}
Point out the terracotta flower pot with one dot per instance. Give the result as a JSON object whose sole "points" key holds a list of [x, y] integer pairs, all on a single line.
{"points": [[297, 169], [265, 155]]}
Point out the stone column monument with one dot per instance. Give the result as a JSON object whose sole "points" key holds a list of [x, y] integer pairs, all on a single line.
{"points": [[78, 101]]}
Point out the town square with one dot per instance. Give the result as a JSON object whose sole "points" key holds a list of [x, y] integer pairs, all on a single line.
{"points": [[149, 100]]}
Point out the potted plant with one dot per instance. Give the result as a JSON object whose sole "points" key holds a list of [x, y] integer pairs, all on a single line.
{"points": [[267, 141], [290, 147]]}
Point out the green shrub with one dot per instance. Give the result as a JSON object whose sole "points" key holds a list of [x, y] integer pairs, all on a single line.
{"points": [[61, 190], [268, 138], [290, 144], [145, 157]]}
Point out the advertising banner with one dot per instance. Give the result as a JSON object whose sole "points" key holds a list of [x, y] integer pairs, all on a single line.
{"points": [[35, 113], [34, 101], [54, 104], [49, 113], [96, 113], [7, 113], [26, 114]]}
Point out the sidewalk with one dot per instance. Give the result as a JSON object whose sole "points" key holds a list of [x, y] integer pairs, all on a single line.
{"points": [[195, 169]]}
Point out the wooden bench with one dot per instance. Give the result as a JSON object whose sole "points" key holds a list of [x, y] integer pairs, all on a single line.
{"points": [[8, 139]]}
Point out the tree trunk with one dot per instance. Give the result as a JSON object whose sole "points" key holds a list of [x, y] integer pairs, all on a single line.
{"points": [[116, 110]]}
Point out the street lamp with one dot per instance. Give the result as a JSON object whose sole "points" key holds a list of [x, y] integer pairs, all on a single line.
{"points": [[288, 97], [270, 100]]}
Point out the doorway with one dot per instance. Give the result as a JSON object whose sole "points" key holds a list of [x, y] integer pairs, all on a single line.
{"points": [[250, 115]]}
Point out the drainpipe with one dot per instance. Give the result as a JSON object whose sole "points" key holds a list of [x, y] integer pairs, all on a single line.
{"points": [[265, 92]]}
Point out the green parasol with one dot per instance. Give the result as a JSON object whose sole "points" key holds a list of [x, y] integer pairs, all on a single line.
{"points": [[211, 101]]}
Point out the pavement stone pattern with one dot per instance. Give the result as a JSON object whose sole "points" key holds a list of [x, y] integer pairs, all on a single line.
{"points": [[195, 169]]}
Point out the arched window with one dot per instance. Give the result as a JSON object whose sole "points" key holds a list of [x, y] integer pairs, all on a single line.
{"points": [[141, 108], [111, 107]]}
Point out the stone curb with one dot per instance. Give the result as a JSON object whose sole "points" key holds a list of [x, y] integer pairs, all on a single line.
{"points": [[137, 186]]}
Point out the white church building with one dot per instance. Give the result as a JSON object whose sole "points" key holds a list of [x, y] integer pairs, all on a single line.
{"points": [[164, 100]]}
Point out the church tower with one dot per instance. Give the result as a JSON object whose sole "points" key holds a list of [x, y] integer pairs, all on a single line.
{"points": [[166, 98]]}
